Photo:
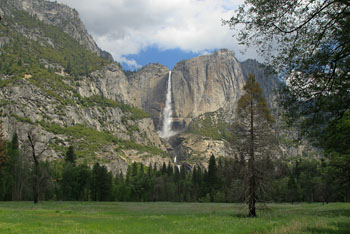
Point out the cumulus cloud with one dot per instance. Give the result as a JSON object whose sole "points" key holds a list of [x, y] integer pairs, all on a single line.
{"points": [[124, 27]]}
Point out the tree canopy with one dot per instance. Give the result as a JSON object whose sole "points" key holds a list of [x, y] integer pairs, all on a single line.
{"points": [[308, 44]]}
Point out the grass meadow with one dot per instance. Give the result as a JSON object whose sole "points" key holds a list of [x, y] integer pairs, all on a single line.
{"points": [[165, 217]]}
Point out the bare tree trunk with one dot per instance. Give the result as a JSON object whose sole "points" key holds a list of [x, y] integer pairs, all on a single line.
{"points": [[36, 177], [252, 188], [251, 167], [36, 183]]}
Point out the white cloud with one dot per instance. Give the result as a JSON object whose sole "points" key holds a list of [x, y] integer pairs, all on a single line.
{"points": [[125, 27]]}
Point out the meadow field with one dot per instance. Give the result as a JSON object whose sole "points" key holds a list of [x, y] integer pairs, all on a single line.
{"points": [[164, 217]]}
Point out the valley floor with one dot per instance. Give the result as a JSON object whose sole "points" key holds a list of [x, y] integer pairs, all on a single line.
{"points": [[120, 217]]}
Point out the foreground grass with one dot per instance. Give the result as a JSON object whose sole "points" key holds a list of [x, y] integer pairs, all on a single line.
{"points": [[115, 217]]}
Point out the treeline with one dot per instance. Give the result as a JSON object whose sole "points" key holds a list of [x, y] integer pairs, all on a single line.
{"points": [[299, 180]]}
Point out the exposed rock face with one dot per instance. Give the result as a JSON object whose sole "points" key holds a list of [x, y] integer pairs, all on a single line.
{"points": [[62, 16], [148, 90], [268, 82], [206, 84], [195, 149], [110, 82]]}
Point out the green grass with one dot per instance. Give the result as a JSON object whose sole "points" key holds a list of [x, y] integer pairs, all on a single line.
{"points": [[116, 217]]}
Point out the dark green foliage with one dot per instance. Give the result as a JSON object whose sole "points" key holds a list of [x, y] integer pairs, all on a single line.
{"points": [[212, 179], [336, 144], [70, 155], [299, 180], [15, 183], [101, 183], [75, 182], [14, 141], [292, 194]]}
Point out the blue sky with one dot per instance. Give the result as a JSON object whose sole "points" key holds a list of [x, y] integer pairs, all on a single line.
{"points": [[153, 54], [138, 32]]}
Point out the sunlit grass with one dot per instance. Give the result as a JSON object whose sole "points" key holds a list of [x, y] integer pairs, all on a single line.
{"points": [[116, 217]]}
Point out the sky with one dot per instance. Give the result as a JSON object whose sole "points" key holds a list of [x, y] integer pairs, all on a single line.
{"points": [[138, 32]]}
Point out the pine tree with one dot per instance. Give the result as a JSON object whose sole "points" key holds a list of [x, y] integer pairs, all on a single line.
{"points": [[149, 170], [70, 155], [254, 120], [212, 179], [14, 142], [164, 169], [170, 170]]}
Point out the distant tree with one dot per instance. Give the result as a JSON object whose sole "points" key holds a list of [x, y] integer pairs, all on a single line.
{"points": [[75, 182], [20, 170], [170, 170], [134, 169], [94, 182], [70, 155], [149, 170], [68, 68], [164, 169], [101, 185], [293, 191], [212, 179], [14, 142], [4, 175], [254, 120]]}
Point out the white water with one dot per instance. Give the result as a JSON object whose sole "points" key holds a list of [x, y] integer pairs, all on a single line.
{"points": [[167, 113]]}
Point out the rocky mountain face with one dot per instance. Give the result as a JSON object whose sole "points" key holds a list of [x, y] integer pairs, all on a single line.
{"points": [[206, 84], [59, 15], [148, 90], [110, 117]]}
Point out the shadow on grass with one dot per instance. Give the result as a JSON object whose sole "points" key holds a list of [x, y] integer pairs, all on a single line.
{"points": [[343, 228]]}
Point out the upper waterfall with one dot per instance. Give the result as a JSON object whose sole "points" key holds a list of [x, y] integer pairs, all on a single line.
{"points": [[167, 113]]}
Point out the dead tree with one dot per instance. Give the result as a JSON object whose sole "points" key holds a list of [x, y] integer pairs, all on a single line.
{"points": [[37, 175]]}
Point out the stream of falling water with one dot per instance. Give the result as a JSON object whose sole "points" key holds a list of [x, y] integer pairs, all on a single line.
{"points": [[166, 131]]}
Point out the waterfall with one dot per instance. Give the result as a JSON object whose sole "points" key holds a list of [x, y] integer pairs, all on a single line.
{"points": [[167, 120]]}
